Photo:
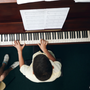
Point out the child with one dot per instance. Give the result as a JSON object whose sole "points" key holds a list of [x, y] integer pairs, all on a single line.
{"points": [[3, 73], [44, 67]]}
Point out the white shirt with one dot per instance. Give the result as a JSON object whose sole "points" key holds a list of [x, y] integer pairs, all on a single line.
{"points": [[28, 70]]}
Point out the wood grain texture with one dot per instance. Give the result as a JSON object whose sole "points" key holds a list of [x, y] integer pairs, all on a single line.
{"points": [[78, 17]]}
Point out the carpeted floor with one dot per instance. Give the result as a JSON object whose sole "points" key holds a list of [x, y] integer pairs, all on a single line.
{"points": [[75, 68]]}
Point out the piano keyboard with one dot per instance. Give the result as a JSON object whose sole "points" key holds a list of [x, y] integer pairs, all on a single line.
{"points": [[51, 37]]}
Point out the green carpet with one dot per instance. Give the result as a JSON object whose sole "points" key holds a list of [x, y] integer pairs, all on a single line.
{"points": [[75, 67]]}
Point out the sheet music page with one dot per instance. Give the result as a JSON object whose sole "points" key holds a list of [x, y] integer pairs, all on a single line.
{"points": [[55, 17], [27, 1], [33, 19], [82, 0], [51, 0], [38, 19]]}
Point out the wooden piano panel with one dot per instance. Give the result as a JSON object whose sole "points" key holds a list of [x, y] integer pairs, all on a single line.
{"points": [[78, 17]]}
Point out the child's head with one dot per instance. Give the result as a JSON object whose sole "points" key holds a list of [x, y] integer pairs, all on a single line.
{"points": [[42, 67]]}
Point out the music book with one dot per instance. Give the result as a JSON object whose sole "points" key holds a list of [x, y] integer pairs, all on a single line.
{"points": [[38, 19], [30, 1], [82, 0]]}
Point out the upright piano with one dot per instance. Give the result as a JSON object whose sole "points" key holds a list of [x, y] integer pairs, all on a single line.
{"points": [[76, 28]]}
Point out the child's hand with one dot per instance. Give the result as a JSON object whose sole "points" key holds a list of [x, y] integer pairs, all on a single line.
{"points": [[43, 45], [18, 46]]}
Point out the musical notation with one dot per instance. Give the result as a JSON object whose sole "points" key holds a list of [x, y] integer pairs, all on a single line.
{"points": [[36, 19]]}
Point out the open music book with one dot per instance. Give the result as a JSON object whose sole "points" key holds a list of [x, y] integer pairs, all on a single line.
{"points": [[28, 1], [82, 0], [38, 19]]}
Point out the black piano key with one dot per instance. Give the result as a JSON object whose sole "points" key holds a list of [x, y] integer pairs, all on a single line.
{"points": [[53, 35], [46, 35], [34, 36], [58, 35], [86, 34], [37, 36], [5, 37], [29, 36], [41, 35], [70, 34], [74, 34], [66, 35], [78, 34], [13, 37], [62, 35], [22, 37], [10, 37], [83, 36], [18, 37], [49, 35], [25, 36]]}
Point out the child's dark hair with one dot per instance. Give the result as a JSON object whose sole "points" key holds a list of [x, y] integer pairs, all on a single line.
{"points": [[42, 67]]}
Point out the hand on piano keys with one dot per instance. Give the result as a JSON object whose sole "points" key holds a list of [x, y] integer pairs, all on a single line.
{"points": [[43, 44], [18, 46], [57, 37]]}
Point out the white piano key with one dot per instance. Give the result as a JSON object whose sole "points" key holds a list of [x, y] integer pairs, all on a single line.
{"points": [[68, 34], [3, 37], [88, 34], [55, 40], [81, 34], [15, 36], [44, 36], [39, 37]]}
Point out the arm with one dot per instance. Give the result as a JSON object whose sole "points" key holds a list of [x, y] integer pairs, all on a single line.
{"points": [[19, 49], [42, 46]]}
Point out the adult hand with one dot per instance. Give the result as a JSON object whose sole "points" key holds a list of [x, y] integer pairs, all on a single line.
{"points": [[43, 45], [18, 46]]}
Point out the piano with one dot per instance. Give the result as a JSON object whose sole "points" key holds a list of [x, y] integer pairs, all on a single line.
{"points": [[76, 28], [51, 37]]}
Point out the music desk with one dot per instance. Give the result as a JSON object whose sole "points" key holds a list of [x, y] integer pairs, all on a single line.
{"points": [[78, 17]]}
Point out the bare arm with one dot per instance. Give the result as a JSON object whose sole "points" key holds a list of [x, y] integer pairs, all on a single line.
{"points": [[19, 49], [42, 46]]}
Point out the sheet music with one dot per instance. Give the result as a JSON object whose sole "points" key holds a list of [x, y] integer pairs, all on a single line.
{"points": [[82, 0], [28, 1], [33, 19], [55, 17], [38, 19]]}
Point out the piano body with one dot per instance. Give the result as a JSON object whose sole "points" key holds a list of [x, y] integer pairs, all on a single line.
{"points": [[76, 28]]}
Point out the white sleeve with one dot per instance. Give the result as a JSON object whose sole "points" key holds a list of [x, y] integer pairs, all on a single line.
{"points": [[58, 65], [24, 69]]}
